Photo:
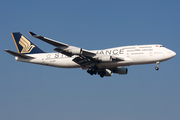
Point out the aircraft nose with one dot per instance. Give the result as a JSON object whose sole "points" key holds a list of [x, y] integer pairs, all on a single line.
{"points": [[173, 53], [169, 54]]}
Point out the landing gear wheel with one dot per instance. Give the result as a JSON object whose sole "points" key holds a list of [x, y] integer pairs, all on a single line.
{"points": [[157, 68], [91, 73], [101, 76], [102, 73]]}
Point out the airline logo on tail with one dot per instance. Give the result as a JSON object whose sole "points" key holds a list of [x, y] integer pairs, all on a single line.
{"points": [[27, 47]]}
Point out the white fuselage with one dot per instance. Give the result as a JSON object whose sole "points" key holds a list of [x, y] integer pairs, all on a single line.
{"points": [[133, 55]]}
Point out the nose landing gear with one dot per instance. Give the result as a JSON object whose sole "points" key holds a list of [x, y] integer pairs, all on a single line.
{"points": [[157, 64]]}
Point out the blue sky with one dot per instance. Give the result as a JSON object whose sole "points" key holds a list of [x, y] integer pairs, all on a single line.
{"points": [[29, 91]]}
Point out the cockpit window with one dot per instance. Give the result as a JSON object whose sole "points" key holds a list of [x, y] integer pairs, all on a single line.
{"points": [[161, 46]]}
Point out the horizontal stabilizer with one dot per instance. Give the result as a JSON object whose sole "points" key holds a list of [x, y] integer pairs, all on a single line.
{"points": [[19, 54]]}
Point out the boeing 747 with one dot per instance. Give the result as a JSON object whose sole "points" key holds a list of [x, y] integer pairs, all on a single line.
{"points": [[102, 62]]}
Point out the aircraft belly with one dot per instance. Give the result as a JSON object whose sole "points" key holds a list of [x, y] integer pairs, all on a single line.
{"points": [[114, 64]]}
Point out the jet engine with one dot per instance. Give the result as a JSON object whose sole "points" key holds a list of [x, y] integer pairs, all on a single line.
{"points": [[105, 58], [76, 51], [120, 70]]}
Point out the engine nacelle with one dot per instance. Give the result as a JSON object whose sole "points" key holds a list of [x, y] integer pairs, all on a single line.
{"points": [[76, 51], [121, 70], [105, 58]]}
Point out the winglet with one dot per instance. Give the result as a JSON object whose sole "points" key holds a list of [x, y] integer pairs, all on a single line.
{"points": [[32, 34]]}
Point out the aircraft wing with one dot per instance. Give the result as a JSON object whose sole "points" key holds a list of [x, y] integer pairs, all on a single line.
{"points": [[62, 47], [84, 58]]}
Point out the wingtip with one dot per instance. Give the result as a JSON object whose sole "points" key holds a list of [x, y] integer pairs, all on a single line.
{"points": [[31, 33], [6, 50]]}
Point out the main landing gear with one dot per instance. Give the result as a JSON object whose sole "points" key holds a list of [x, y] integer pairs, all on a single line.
{"points": [[157, 68], [92, 70]]}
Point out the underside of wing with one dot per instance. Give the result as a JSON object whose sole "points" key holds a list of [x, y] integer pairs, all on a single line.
{"points": [[85, 61]]}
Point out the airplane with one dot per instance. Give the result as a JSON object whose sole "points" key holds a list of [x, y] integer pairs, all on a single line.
{"points": [[102, 62]]}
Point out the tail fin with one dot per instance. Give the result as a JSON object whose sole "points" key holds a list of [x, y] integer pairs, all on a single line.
{"points": [[24, 45]]}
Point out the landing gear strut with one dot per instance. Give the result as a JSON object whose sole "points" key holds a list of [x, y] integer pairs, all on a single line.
{"points": [[157, 68]]}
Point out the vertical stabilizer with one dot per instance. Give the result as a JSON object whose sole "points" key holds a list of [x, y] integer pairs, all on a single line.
{"points": [[24, 45]]}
